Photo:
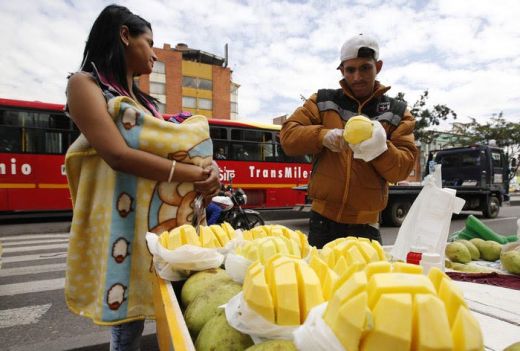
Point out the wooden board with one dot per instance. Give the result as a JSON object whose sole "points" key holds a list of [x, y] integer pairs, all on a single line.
{"points": [[497, 310], [172, 332]]}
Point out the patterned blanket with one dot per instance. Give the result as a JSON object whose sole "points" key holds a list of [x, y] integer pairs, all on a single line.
{"points": [[109, 273]]}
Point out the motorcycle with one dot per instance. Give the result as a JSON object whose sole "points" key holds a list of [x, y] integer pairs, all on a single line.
{"points": [[231, 201]]}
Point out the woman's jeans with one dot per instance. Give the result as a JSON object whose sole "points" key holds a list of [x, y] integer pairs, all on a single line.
{"points": [[127, 336], [323, 230]]}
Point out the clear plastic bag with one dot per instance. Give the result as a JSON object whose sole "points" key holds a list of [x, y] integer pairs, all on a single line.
{"points": [[315, 335], [174, 265], [247, 321]]}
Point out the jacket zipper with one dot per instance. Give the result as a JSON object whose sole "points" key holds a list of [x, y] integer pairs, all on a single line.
{"points": [[350, 155]]}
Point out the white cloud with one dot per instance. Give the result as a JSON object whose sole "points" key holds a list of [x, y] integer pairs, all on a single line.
{"points": [[467, 56]]}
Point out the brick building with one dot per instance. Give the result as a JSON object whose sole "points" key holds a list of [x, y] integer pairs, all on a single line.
{"points": [[186, 79]]}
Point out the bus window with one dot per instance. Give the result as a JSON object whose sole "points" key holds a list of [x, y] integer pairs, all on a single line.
{"points": [[35, 132], [282, 157], [220, 151], [218, 133]]}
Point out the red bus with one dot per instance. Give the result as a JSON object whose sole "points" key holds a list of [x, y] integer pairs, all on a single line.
{"points": [[34, 137]]}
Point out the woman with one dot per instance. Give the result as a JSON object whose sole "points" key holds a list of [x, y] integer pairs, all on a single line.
{"points": [[119, 48]]}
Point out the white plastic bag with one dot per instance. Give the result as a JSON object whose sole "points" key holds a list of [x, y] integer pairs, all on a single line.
{"points": [[315, 334], [177, 264], [236, 266], [427, 223], [247, 321]]}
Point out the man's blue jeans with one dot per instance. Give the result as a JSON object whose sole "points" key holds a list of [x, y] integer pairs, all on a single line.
{"points": [[127, 336]]}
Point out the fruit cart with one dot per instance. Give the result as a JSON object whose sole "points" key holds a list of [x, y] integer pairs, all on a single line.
{"points": [[172, 332], [496, 309]]}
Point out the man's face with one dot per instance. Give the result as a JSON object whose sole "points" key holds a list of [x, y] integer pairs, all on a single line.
{"points": [[360, 75]]}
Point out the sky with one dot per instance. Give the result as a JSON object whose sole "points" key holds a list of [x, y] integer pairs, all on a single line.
{"points": [[465, 53]]}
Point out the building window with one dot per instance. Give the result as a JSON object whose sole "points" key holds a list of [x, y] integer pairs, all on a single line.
{"points": [[189, 102], [197, 83], [189, 82], [161, 107], [205, 84], [234, 107], [157, 88], [158, 67], [205, 104]]}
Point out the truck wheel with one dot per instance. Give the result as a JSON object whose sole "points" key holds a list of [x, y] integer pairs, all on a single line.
{"points": [[492, 207], [395, 213]]}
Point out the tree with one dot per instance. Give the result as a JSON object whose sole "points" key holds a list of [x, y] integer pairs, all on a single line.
{"points": [[426, 117]]}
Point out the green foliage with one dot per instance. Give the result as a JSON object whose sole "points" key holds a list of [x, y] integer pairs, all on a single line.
{"points": [[427, 117]]}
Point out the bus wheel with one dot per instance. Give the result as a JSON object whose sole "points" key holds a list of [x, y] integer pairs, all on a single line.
{"points": [[492, 207], [395, 213]]}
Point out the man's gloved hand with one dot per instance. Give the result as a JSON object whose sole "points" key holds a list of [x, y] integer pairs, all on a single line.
{"points": [[373, 147], [334, 141]]}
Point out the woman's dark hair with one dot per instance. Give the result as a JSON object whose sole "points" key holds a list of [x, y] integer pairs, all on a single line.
{"points": [[105, 49]]}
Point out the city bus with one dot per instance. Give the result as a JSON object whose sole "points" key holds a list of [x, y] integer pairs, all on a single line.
{"points": [[34, 137]]}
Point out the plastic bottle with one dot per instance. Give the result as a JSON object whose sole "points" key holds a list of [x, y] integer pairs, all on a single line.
{"points": [[429, 260]]}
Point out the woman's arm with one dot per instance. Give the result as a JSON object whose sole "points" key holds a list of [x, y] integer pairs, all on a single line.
{"points": [[88, 110]]}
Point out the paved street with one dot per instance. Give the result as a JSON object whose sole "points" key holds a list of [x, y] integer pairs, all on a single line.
{"points": [[33, 314]]}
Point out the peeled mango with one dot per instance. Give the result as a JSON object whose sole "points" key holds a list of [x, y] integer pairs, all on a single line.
{"points": [[279, 230], [216, 235], [473, 250], [283, 291], [263, 248], [457, 252], [182, 235], [273, 345], [358, 129], [344, 252], [205, 305], [199, 282], [218, 335], [378, 308], [510, 259]]}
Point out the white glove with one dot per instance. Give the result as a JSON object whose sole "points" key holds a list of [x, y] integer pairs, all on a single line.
{"points": [[334, 141], [374, 146]]}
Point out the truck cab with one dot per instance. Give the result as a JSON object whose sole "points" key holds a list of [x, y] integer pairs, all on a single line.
{"points": [[479, 173]]}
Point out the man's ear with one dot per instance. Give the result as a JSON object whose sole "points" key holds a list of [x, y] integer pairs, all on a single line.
{"points": [[124, 34], [379, 65]]}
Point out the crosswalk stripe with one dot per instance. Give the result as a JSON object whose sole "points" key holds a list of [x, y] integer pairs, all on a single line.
{"points": [[34, 248], [32, 287], [32, 242], [23, 315], [34, 257], [9, 272], [33, 236]]}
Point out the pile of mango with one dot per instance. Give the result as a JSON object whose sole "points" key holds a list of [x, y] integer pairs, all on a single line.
{"points": [[460, 253], [372, 304]]}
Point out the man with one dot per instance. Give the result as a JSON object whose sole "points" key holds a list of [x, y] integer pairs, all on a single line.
{"points": [[349, 182], [221, 154]]}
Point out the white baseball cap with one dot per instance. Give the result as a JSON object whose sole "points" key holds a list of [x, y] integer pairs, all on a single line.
{"points": [[351, 47]]}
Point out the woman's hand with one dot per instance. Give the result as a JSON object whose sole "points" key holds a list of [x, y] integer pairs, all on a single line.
{"points": [[211, 185]]}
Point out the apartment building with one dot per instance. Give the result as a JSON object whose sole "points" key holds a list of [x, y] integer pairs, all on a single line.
{"points": [[186, 79]]}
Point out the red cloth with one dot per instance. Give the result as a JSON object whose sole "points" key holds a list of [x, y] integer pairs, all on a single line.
{"points": [[501, 280]]}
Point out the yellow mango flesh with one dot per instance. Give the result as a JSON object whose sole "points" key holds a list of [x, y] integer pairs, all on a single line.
{"points": [[387, 333], [358, 129], [404, 311]]}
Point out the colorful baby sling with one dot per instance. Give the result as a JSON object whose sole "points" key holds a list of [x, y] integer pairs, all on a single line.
{"points": [[109, 277]]}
